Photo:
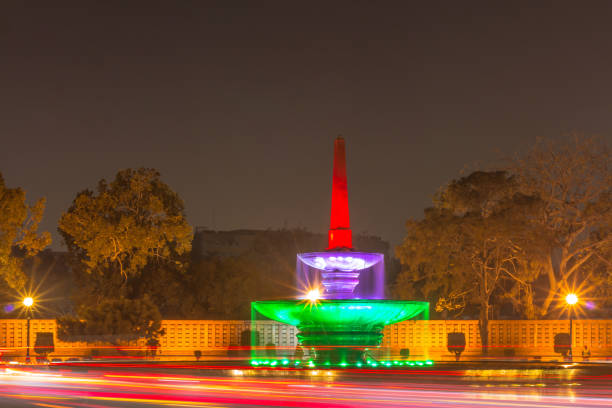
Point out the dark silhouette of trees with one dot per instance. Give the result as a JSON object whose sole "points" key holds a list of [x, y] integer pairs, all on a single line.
{"points": [[220, 287], [112, 320]]}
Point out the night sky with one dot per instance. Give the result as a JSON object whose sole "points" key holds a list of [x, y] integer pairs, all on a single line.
{"points": [[238, 103]]}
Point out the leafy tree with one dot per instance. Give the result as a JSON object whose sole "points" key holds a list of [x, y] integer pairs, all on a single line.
{"points": [[18, 233], [573, 180], [466, 247], [112, 320], [526, 236], [128, 223], [129, 242]]}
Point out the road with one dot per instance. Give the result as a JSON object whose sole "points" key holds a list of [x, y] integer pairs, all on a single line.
{"points": [[123, 385]]}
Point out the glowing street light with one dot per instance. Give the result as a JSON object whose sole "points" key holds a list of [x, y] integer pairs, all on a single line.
{"points": [[28, 302], [313, 295], [571, 299]]}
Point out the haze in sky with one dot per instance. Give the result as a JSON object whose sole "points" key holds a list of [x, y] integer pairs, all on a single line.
{"points": [[237, 104]]}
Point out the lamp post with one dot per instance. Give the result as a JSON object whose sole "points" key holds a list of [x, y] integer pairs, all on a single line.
{"points": [[571, 299], [28, 302]]}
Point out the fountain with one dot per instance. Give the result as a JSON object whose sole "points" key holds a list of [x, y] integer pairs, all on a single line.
{"points": [[342, 311]]}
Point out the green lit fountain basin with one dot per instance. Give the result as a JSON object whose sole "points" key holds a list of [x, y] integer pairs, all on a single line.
{"points": [[348, 322]]}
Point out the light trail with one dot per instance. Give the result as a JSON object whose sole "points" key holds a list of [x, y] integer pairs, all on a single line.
{"points": [[102, 387]]}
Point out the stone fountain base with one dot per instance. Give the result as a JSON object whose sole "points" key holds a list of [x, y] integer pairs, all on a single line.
{"points": [[340, 330]]}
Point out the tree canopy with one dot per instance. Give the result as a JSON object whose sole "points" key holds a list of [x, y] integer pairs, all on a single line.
{"points": [[19, 234], [130, 244], [126, 224], [466, 247], [573, 180], [221, 287], [524, 236]]}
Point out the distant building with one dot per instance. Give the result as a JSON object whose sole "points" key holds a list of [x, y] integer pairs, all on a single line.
{"points": [[278, 249], [236, 242]]}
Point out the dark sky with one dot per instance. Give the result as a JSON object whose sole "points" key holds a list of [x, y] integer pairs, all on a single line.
{"points": [[238, 103]]}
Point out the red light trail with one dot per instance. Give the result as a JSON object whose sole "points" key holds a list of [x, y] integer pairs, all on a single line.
{"points": [[91, 386]]}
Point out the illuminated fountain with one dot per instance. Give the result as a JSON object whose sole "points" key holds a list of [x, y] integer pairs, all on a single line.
{"points": [[342, 311]]}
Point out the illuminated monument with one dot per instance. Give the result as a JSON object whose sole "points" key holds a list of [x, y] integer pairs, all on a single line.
{"points": [[342, 312]]}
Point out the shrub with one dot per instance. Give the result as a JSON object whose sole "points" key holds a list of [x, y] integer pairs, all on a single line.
{"points": [[455, 343], [43, 344], [562, 343]]}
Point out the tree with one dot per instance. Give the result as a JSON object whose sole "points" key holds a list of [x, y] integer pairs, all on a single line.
{"points": [[129, 242], [18, 233], [44, 345], [573, 180], [114, 321], [221, 287], [134, 220], [466, 247]]}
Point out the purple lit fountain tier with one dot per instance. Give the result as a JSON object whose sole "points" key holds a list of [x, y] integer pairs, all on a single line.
{"points": [[342, 274]]}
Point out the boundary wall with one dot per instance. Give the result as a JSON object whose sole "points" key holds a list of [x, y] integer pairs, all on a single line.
{"points": [[423, 338]]}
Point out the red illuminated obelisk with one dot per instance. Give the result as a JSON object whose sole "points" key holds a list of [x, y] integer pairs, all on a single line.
{"points": [[340, 235]]}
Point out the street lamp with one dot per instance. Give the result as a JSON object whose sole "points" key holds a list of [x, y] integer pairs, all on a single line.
{"points": [[28, 302], [571, 299], [313, 295]]}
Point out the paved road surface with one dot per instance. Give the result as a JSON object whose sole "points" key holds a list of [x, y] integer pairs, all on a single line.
{"points": [[109, 385]]}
